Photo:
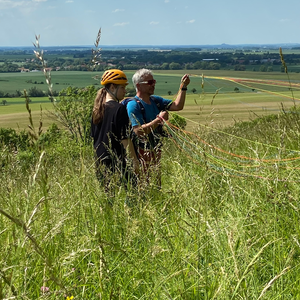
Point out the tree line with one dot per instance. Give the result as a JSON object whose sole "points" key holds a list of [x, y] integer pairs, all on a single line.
{"points": [[80, 60]]}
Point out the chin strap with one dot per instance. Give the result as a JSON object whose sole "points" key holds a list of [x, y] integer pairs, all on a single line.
{"points": [[113, 95]]}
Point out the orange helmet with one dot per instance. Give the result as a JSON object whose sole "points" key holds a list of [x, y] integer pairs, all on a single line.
{"points": [[114, 76]]}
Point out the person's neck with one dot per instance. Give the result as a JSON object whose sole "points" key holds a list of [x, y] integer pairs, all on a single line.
{"points": [[144, 97], [110, 98]]}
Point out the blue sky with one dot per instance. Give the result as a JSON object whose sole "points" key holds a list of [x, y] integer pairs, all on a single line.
{"points": [[155, 22]]}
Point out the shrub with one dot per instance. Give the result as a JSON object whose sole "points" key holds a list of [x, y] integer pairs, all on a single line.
{"points": [[177, 121], [74, 111], [17, 141]]}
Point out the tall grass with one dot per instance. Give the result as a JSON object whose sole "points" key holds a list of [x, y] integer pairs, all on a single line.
{"points": [[206, 234]]}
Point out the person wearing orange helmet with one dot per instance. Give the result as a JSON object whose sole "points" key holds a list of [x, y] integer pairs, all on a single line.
{"points": [[110, 128]]}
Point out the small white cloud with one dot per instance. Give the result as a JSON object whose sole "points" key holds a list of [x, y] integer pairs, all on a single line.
{"points": [[118, 10], [25, 5], [49, 27], [191, 21], [154, 23], [121, 24], [284, 20], [69, 1], [167, 1]]}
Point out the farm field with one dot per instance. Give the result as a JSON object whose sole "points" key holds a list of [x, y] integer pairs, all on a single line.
{"points": [[226, 96]]}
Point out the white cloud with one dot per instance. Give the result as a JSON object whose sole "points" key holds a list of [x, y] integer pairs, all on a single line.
{"points": [[167, 1], [284, 20], [154, 23], [118, 10], [7, 4], [191, 21], [121, 24], [69, 1]]}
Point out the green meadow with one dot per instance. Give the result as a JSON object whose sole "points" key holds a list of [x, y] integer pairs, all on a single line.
{"points": [[223, 225]]}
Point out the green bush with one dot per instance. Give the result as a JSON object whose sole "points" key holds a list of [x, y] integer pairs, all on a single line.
{"points": [[10, 138], [178, 121], [74, 111]]}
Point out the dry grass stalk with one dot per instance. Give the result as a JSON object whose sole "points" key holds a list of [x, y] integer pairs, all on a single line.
{"points": [[96, 52], [36, 246], [39, 53], [214, 96], [253, 261], [34, 135], [286, 71], [282, 60], [230, 243], [7, 281], [272, 281]]}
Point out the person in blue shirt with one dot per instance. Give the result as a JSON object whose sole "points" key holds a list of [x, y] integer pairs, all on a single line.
{"points": [[147, 114]]}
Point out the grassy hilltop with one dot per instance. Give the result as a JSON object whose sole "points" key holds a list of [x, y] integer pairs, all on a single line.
{"points": [[224, 225]]}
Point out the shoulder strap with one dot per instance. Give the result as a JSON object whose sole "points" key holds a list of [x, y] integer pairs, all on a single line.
{"points": [[142, 108], [158, 104], [156, 101]]}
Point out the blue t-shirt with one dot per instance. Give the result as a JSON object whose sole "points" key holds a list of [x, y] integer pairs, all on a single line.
{"points": [[136, 117], [151, 110]]}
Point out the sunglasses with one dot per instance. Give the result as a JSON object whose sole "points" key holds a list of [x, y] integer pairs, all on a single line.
{"points": [[149, 82]]}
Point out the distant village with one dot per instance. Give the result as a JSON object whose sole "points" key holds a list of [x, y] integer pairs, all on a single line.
{"points": [[72, 60]]}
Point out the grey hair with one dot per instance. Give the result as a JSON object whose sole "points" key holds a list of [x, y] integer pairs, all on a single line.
{"points": [[139, 76]]}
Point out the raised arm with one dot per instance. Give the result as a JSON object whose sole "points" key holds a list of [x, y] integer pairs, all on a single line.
{"points": [[178, 104]]}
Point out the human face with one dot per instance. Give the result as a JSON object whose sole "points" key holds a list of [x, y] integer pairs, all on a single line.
{"points": [[120, 91], [147, 85]]}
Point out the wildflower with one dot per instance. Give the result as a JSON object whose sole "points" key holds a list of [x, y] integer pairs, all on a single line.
{"points": [[70, 298], [44, 289]]}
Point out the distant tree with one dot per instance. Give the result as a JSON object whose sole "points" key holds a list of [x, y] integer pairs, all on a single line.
{"points": [[263, 68], [236, 89], [130, 92], [169, 93], [4, 102], [194, 90], [34, 92], [189, 66], [214, 66], [18, 93], [239, 68], [165, 66], [197, 65], [174, 66]]}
